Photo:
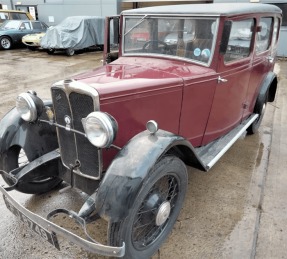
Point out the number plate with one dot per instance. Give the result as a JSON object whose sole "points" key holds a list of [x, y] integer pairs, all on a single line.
{"points": [[46, 235]]}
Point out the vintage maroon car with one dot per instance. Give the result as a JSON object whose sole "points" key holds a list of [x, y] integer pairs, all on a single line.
{"points": [[124, 133]]}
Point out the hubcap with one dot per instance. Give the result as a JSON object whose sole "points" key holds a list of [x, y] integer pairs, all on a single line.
{"points": [[5, 43], [152, 217], [163, 213]]}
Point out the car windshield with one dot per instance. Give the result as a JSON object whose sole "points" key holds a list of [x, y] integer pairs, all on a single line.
{"points": [[8, 25], [188, 38]]}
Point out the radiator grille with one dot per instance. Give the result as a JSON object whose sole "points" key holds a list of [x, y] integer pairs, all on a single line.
{"points": [[81, 106], [75, 147]]}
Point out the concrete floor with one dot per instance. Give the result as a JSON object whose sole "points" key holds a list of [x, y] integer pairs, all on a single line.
{"points": [[236, 210]]}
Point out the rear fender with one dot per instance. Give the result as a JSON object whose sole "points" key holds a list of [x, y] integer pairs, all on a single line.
{"points": [[268, 85], [36, 138], [127, 172]]}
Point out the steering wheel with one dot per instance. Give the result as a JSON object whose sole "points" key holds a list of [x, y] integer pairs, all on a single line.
{"points": [[149, 43]]}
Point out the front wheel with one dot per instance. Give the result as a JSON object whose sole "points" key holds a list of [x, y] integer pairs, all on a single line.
{"points": [[32, 48], [15, 157], [155, 211], [5, 42], [50, 51]]}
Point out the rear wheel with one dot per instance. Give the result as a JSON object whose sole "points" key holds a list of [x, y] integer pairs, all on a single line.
{"points": [[14, 158], [5, 42], [155, 211], [50, 51], [70, 52], [260, 107]]}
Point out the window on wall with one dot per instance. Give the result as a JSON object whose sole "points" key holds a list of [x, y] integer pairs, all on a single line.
{"points": [[264, 35], [239, 43]]}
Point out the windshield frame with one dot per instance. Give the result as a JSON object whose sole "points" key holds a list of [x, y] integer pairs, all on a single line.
{"points": [[142, 17]]}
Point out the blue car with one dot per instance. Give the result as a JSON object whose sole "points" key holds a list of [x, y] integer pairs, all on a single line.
{"points": [[12, 31]]}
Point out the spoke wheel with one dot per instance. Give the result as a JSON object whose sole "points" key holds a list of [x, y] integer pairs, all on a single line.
{"points": [[259, 108], [155, 211], [5, 42], [14, 158]]}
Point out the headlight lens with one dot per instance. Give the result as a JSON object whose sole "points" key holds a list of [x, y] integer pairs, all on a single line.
{"points": [[100, 128], [26, 107]]}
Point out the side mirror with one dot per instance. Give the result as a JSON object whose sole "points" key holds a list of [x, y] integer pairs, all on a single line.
{"points": [[225, 37]]}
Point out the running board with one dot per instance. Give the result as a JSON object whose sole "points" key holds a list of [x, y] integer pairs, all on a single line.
{"points": [[213, 151]]}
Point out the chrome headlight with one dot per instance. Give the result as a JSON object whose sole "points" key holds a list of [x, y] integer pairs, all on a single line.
{"points": [[29, 106], [100, 128]]}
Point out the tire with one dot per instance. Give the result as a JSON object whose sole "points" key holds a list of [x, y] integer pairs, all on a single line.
{"points": [[5, 43], [15, 157], [32, 48], [50, 51], [70, 52], [155, 211], [259, 108]]}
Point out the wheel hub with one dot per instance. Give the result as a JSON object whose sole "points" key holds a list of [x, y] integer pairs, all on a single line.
{"points": [[163, 213]]}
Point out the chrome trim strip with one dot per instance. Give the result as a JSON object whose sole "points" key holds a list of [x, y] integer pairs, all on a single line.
{"points": [[92, 247], [237, 136], [63, 127]]}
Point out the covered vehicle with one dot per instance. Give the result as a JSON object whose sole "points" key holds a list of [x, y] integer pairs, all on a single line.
{"points": [[12, 31], [74, 33], [125, 132]]}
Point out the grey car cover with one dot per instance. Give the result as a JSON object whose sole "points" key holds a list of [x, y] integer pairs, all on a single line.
{"points": [[75, 32]]}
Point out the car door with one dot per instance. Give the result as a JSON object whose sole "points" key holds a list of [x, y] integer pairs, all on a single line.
{"points": [[25, 28], [233, 79], [264, 57]]}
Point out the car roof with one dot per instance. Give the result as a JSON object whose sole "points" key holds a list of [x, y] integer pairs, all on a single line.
{"points": [[15, 20], [11, 11], [214, 9]]}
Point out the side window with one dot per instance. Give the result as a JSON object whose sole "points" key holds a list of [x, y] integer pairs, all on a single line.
{"points": [[239, 43], [37, 25], [275, 32], [3, 16], [264, 35], [25, 26], [23, 16]]}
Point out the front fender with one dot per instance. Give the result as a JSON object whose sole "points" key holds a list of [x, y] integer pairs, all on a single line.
{"points": [[35, 138], [124, 177]]}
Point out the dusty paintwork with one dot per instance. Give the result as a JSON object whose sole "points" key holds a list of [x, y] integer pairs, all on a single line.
{"points": [[220, 218]]}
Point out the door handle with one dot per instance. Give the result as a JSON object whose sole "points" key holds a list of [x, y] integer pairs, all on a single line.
{"points": [[221, 80]]}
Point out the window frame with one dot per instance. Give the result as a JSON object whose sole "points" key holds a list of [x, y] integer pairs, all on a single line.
{"points": [[251, 45], [174, 57], [270, 35]]}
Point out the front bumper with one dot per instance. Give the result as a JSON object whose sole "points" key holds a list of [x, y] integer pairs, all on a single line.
{"points": [[92, 247]]}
